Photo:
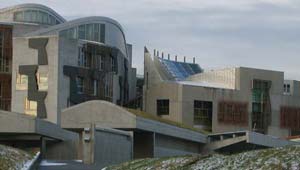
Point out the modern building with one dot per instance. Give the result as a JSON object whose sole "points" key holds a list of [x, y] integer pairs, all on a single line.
{"points": [[56, 63], [231, 99]]}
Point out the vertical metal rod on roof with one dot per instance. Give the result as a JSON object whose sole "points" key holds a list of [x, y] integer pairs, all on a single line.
{"points": [[168, 56], [194, 60], [154, 52], [184, 59], [175, 57], [162, 55]]}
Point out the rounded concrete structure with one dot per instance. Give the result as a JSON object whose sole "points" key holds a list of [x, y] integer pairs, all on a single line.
{"points": [[99, 29], [31, 13]]}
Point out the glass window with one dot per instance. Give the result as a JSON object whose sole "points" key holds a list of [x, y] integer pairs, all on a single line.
{"points": [[34, 16], [21, 82], [89, 32], [18, 16], [162, 107], [39, 17], [288, 88], [30, 107], [95, 87], [42, 79], [44, 17], [203, 113], [81, 32], [72, 33], [102, 34], [51, 20], [96, 34], [108, 85], [27, 16], [80, 85]]}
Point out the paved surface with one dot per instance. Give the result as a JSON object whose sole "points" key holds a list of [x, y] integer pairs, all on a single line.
{"points": [[66, 165]]}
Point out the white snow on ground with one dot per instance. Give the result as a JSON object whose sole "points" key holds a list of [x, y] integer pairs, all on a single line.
{"points": [[12, 158], [29, 163], [46, 163], [277, 158]]}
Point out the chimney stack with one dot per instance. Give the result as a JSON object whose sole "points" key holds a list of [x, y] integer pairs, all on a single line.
{"points": [[162, 55], [157, 55], [184, 59], [194, 60], [154, 52], [168, 56], [175, 57]]}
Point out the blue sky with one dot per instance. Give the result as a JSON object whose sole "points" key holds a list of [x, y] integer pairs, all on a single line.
{"points": [[220, 33]]}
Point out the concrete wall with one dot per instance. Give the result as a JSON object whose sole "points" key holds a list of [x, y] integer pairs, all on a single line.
{"points": [[172, 92], [169, 146], [23, 55], [112, 147]]}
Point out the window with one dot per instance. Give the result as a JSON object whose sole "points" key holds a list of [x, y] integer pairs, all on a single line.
{"points": [[287, 88], [80, 85], [81, 32], [203, 113], [96, 34], [100, 62], [102, 33], [89, 32], [108, 85], [162, 107], [113, 67], [18, 16], [42, 79], [21, 82], [95, 87], [30, 107]]}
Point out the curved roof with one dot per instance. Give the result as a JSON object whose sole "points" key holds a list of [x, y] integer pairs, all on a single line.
{"points": [[76, 22], [35, 6]]}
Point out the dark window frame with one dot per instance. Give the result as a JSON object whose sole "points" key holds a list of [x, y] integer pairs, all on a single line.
{"points": [[162, 107]]}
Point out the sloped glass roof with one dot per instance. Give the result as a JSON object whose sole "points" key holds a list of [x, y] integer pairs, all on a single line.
{"points": [[180, 70]]}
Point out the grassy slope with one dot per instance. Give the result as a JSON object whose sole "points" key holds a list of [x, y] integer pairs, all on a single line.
{"points": [[13, 159], [276, 158]]}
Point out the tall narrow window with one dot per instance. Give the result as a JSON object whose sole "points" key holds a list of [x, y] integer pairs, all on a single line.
{"points": [[162, 107], [30, 107], [95, 87], [81, 32], [80, 85], [203, 113]]}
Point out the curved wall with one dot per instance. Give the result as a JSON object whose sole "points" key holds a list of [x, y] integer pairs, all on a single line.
{"points": [[31, 13], [99, 29]]}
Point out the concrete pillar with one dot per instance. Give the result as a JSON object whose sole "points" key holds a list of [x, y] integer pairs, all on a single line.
{"points": [[88, 141], [43, 147]]}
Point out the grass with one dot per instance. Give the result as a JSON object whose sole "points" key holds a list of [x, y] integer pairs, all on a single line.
{"points": [[12, 158], [274, 158], [159, 119]]}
